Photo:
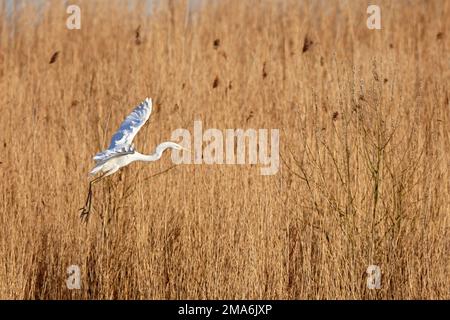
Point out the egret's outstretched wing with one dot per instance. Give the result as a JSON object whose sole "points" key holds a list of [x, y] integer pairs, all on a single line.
{"points": [[122, 139], [110, 153], [131, 125]]}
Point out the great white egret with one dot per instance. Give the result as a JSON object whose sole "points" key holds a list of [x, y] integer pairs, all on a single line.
{"points": [[121, 152]]}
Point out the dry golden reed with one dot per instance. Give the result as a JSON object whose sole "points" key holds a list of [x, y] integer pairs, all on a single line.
{"points": [[365, 150]]}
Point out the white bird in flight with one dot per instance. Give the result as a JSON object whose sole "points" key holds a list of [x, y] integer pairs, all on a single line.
{"points": [[121, 152]]}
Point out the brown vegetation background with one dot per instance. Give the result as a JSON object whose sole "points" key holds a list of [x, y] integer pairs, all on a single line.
{"points": [[364, 177]]}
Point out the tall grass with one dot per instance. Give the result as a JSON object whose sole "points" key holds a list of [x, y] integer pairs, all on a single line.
{"points": [[364, 177]]}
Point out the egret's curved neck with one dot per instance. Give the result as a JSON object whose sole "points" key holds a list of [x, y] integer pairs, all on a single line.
{"points": [[157, 154]]}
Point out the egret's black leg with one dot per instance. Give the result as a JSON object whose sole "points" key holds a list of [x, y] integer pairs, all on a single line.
{"points": [[87, 206], [84, 216]]}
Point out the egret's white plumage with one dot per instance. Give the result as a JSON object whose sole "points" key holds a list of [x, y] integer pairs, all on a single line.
{"points": [[122, 140], [121, 152]]}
